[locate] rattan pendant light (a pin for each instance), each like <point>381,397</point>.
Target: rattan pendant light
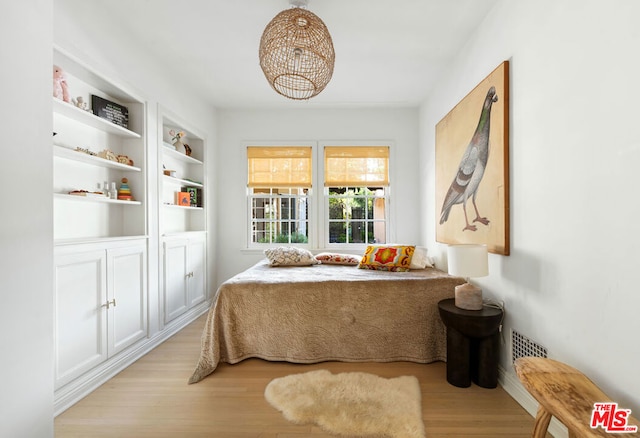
<point>296,53</point>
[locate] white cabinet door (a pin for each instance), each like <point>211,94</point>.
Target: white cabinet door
<point>176,276</point>
<point>80,322</point>
<point>127,296</point>
<point>196,263</point>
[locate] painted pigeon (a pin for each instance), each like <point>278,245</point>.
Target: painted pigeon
<point>471,169</point>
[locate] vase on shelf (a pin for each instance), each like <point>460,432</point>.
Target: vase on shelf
<point>179,146</point>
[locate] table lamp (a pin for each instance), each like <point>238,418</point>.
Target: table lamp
<point>468,261</point>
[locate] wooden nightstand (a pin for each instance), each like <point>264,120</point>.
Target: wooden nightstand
<point>473,342</point>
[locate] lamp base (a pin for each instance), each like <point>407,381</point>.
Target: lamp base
<point>468,297</point>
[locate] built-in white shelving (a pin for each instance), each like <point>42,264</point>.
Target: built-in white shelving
<point>101,311</point>
<point>79,138</point>
<point>182,228</point>
<point>187,173</point>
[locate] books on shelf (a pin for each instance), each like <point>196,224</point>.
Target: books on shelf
<point>195,196</point>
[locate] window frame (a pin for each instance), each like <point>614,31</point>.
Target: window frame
<point>318,198</point>
<point>311,242</point>
<point>250,208</point>
<point>323,208</point>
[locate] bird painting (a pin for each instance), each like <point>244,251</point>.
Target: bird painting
<point>471,169</point>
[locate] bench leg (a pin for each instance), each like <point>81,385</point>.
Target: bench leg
<point>543,418</point>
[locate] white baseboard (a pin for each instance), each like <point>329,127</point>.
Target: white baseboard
<point>84,385</point>
<point>514,388</point>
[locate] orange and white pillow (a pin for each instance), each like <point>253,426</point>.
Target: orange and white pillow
<point>396,258</point>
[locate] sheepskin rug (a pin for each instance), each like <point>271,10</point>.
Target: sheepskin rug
<point>354,404</point>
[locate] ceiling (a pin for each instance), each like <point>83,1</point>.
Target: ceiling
<point>388,53</point>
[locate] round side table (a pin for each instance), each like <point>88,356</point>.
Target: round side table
<point>473,342</point>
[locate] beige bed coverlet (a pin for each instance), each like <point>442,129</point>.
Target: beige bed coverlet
<point>319,313</point>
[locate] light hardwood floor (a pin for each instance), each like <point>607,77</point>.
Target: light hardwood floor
<point>151,398</point>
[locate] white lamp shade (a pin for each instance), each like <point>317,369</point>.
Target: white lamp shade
<point>468,260</point>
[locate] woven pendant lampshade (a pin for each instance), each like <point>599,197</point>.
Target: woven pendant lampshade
<point>296,54</point>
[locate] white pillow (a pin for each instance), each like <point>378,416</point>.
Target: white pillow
<point>420,259</point>
<point>290,256</point>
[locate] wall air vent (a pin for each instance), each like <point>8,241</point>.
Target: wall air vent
<point>521,346</point>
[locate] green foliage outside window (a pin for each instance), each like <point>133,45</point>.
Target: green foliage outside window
<point>351,212</point>
<point>284,238</point>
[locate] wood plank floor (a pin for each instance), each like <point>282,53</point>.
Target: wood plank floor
<point>151,398</point>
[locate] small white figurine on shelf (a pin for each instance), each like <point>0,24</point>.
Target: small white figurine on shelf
<point>60,88</point>
<point>80,103</point>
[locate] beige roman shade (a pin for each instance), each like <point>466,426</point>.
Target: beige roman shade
<point>279,166</point>
<point>356,166</point>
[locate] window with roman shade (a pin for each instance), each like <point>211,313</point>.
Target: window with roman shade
<point>279,179</point>
<point>356,180</point>
<point>356,166</point>
<point>279,166</point>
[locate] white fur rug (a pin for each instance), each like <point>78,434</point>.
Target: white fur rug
<point>355,404</point>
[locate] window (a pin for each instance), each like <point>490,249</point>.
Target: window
<point>279,179</point>
<point>353,211</point>
<point>356,180</point>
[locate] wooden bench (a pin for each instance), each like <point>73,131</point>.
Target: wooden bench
<point>567,394</point>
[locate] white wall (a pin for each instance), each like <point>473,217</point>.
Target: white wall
<point>237,126</point>
<point>570,282</point>
<point>26,227</point>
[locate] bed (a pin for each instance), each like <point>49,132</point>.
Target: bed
<point>310,314</point>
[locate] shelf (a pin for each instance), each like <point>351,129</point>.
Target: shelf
<point>71,154</point>
<point>68,110</point>
<point>170,151</point>
<point>81,135</point>
<point>175,234</point>
<point>188,172</point>
<point>101,199</point>
<point>180,207</point>
<point>86,240</point>
<point>181,182</point>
